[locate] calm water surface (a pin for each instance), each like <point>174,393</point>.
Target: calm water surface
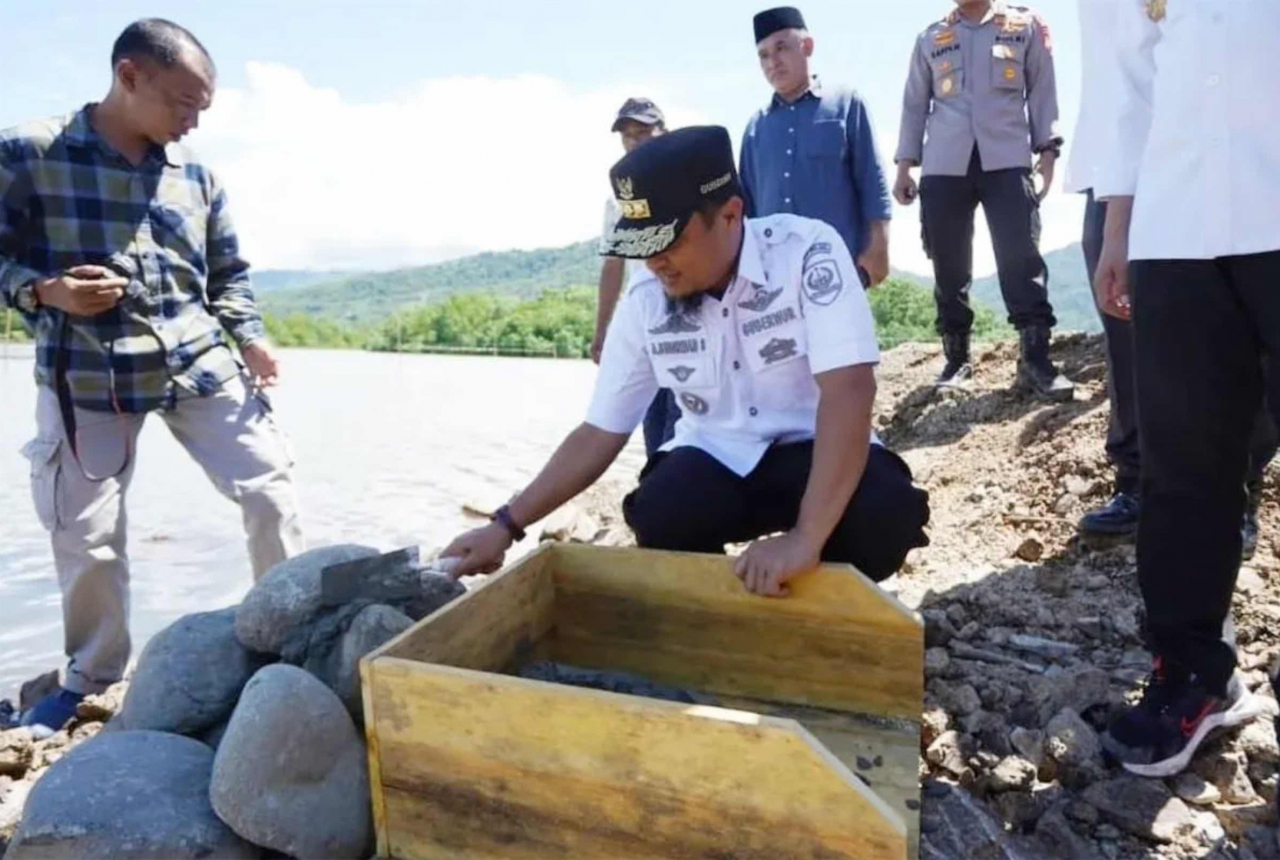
<point>389,447</point>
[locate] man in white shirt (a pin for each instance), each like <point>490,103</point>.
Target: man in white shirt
<point>762,328</point>
<point>1090,152</point>
<point>1192,256</point>
<point>638,120</point>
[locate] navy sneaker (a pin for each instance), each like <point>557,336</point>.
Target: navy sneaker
<point>52,712</point>
<point>1118,517</point>
<point>1159,736</point>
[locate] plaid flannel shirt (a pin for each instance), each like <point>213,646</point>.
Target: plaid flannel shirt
<point>66,199</point>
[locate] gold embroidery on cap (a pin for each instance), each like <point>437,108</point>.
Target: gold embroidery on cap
<point>634,209</point>
<point>625,187</point>
<point>1156,9</point>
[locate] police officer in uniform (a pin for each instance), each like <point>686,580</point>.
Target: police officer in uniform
<point>762,329</point>
<point>981,89</point>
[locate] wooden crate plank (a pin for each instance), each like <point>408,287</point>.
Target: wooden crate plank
<point>477,765</point>
<point>377,795</point>
<point>489,627</point>
<point>837,642</point>
<point>856,741</point>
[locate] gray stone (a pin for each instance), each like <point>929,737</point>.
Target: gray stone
<point>287,597</point>
<point>1207,830</point>
<point>1060,840</point>
<point>945,753</point>
<point>17,749</point>
<point>1194,789</point>
<point>212,738</point>
<point>370,629</point>
<point>1078,689</point>
<point>127,794</point>
<point>100,707</point>
<point>292,740</point>
<point>1141,807</point>
<point>936,661</point>
<point>1257,740</point>
<point>36,689</point>
<point>189,676</point>
<point>961,699</point>
<point>954,824</point>
<point>1029,743</point>
<point>1074,749</point>
<point>1013,773</point>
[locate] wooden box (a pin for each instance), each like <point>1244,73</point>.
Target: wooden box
<point>810,750</point>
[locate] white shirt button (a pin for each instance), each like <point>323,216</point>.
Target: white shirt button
<point>787,200</point>
<point>786,174</point>
<point>1214,80</point>
<point>791,130</point>
<point>754,411</point>
<point>788,152</point>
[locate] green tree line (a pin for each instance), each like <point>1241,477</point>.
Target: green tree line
<point>561,322</point>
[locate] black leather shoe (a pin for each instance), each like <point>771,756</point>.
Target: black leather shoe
<point>1117,517</point>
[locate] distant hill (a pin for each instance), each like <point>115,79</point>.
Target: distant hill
<point>368,296</point>
<point>274,280</point>
<point>1069,291</point>
<point>363,297</point>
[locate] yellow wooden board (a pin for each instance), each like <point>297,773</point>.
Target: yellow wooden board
<point>487,628</point>
<point>475,765</point>
<point>837,642</point>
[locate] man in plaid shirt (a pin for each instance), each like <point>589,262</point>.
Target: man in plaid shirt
<point>116,246</point>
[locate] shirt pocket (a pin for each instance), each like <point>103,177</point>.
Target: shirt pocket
<point>774,340</point>
<point>1008,67</point>
<point>825,140</point>
<point>948,74</point>
<point>46,480</point>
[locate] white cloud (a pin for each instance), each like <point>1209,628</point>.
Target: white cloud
<point>448,166</point>
<point>451,166</point>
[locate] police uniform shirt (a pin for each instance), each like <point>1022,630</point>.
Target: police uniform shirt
<point>742,366</point>
<point>1196,133</point>
<point>990,83</point>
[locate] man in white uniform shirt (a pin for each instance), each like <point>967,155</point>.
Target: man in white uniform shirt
<point>762,329</point>
<point>1192,256</point>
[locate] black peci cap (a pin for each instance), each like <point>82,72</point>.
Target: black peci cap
<point>638,110</point>
<point>771,21</point>
<point>661,184</point>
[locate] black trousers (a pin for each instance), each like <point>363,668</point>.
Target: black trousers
<point>1008,198</point>
<point>1122,430</point>
<point>1202,330</point>
<point>687,500</point>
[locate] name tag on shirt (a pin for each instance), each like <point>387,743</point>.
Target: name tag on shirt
<point>1004,52</point>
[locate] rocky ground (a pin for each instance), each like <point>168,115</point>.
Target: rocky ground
<point>1034,637</point>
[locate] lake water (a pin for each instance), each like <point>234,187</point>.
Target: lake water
<point>389,447</point>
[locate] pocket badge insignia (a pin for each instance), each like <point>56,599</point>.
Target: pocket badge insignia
<point>947,86</point>
<point>1156,9</point>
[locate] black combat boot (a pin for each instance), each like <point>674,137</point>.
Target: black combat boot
<point>1036,372</point>
<point>958,371</point>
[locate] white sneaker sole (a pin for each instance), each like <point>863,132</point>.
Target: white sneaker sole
<point>1245,709</point>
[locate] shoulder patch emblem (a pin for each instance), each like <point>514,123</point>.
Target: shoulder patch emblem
<point>761,301</point>
<point>694,403</point>
<point>820,276</point>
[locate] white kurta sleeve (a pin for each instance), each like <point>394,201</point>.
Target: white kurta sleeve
<point>1129,122</point>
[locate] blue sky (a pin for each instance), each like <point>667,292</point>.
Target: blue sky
<point>387,132</point>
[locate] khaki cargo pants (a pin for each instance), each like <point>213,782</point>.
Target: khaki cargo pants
<point>231,434</point>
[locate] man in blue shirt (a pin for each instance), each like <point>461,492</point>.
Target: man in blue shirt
<point>811,150</point>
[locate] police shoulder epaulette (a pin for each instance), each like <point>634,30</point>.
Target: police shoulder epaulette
<point>1018,18</point>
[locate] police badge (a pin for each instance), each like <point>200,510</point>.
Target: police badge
<point>1156,9</point>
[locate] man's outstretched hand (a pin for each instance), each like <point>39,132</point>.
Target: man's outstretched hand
<point>768,564</point>
<point>479,550</point>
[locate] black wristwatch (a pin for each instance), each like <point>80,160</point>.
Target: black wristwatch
<point>26,297</point>
<point>502,516</point>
